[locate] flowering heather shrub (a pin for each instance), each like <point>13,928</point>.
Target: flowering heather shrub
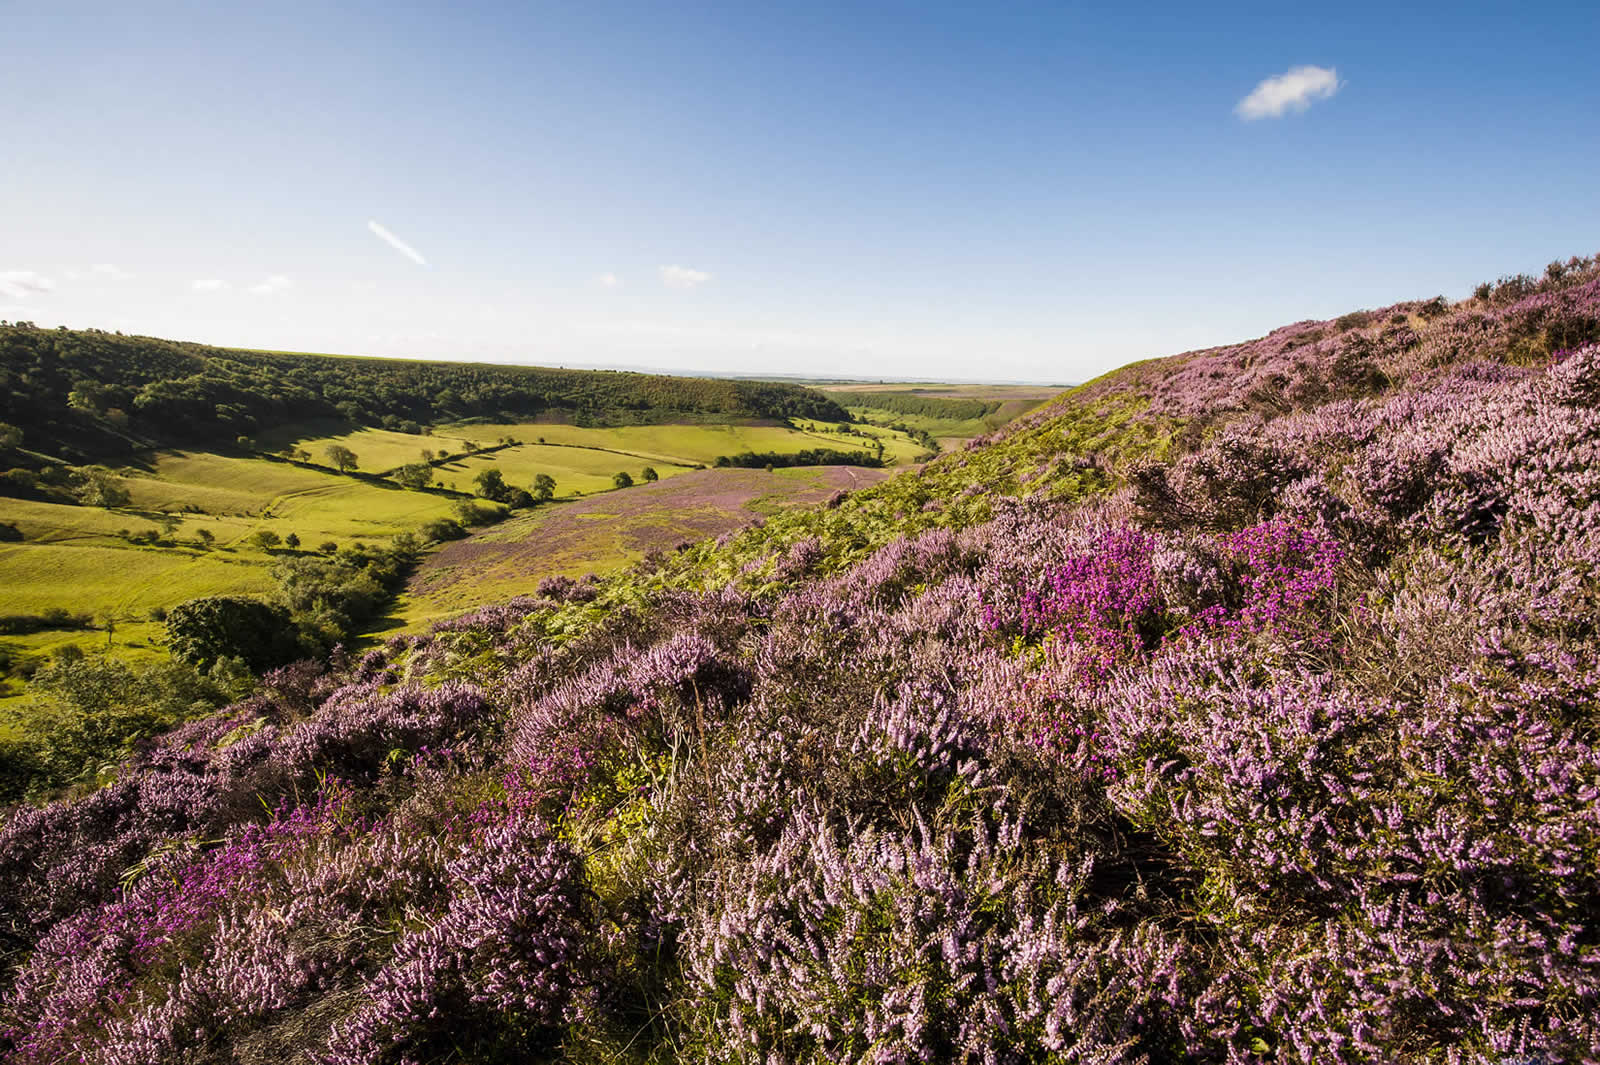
<point>931,944</point>
<point>508,952</point>
<point>1284,750</point>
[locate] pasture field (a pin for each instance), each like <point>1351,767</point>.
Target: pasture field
<point>898,448</point>
<point>352,510</point>
<point>123,582</point>
<point>381,450</point>
<point>608,532</point>
<point>686,445</point>
<point>583,459</point>
<point>577,470</point>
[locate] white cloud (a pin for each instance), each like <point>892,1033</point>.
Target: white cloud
<point>20,284</point>
<point>396,243</point>
<point>608,280</point>
<point>683,277</point>
<point>1293,90</point>
<point>275,283</point>
<point>212,285</point>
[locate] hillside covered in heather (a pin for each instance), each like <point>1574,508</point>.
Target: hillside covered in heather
<point>1236,707</point>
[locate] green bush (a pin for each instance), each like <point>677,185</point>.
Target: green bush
<point>202,631</point>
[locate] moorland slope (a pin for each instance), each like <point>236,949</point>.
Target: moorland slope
<point>1235,707</point>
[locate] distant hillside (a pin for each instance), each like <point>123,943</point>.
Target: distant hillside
<point>1236,707</point>
<point>911,402</point>
<point>91,394</point>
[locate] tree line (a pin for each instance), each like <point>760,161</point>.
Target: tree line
<point>83,394</point>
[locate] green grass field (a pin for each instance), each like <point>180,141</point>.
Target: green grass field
<point>124,582</point>
<point>689,445</point>
<point>379,450</point>
<point>577,470</point>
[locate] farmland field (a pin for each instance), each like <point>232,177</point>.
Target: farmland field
<point>577,471</point>
<point>951,428</point>
<point>690,444</point>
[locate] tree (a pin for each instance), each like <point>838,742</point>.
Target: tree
<point>204,536</point>
<point>292,542</point>
<point>98,488</point>
<point>265,539</point>
<point>544,488</point>
<point>416,476</point>
<point>10,437</point>
<point>491,484</point>
<point>202,631</point>
<point>340,456</point>
<point>650,474</point>
<point>622,480</point>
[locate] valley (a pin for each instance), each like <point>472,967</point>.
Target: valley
<point>214,520</point>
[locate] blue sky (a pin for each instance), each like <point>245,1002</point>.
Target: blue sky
<point>980,191</point>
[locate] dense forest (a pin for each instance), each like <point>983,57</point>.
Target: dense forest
<point>84,395</point>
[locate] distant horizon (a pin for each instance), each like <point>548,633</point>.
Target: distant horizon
<point>668,371</point>
<point>828,190</point>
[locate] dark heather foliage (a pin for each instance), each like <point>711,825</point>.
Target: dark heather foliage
<point>1234,708</point>
<point>90,393</point>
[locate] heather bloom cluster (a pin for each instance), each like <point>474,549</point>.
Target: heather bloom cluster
<point>1275,745</point>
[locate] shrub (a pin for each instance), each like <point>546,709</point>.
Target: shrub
<point>441,529</point>
<point>202,631</point>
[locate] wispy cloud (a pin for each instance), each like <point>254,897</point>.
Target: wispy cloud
<point>19,284</point>
<point>683,277</point>
<point>275,283</point>
<point>99,272</point>
<point>1293,90</point>
<point>396,243</point>
<point>608,280</point>
<point>212,285</point>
